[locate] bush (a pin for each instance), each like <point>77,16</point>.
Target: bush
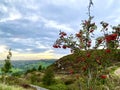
<point>40,68</point>
<point>69,81</point>
<point>48,78</point>
<point>33,78</point>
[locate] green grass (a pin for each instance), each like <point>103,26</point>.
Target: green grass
<point>8,87</point>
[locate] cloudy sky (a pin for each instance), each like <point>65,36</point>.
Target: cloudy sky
<point>30,27</point>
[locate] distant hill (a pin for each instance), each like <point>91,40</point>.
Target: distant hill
<point>28,64</point>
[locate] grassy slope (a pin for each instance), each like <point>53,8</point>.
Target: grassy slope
<point>70,61</point>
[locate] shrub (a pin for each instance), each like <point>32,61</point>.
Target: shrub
<point>7,66</point>
<point>69,81</point>
<point>48,77</point>
<point>33,78</point>
<point>40,68</point>
<point>6,69</point>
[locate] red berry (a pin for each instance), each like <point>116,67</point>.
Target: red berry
<point>91,30</point>
<point>89,41</point>
<point>55,46</point>
<point>88,55</point>
<point>64,46</point>
<point>78,35</point>
<point>107,50</point>
<point>103,76</point>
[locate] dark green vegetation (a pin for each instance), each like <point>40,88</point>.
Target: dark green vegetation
<point>48,78</point>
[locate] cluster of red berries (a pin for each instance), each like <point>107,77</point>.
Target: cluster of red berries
<point>58,46</point>
<point>111,37</point>
<point>107,50</point>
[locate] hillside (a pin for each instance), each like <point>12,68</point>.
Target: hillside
<point>73,61</point>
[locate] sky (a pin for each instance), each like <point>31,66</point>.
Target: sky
<point>30,27</point>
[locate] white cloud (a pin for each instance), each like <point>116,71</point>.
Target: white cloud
<point>71,3</point>
<point>3,48</point>
<point>19,50</point>
<point>12,15</point>
<point>3,8</point>
<point>3,52</point>
<point>55,25</point>
<point>33,18</point>
<point>28,49</point>
<point>30,42</point>
<point>24,41</point>
<point>39,45</point>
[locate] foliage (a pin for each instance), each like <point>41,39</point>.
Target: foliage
<point>48,78</point>
<point>35,78</point>
<point>40,68</point>
<point>7,66</point>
